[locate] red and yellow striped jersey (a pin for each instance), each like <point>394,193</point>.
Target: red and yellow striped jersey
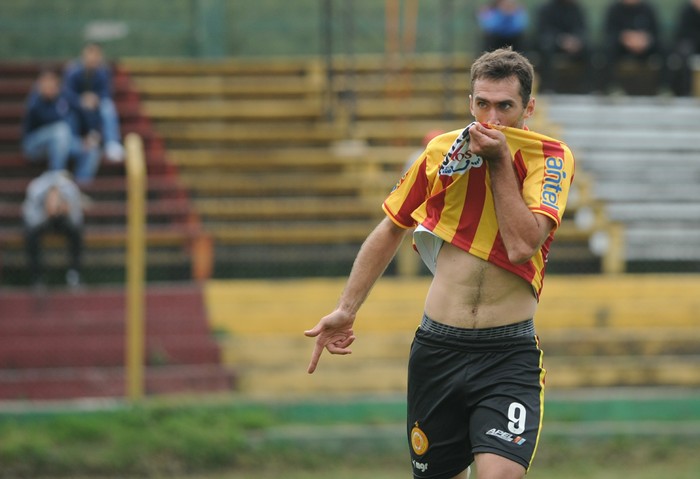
<point>449,194</point>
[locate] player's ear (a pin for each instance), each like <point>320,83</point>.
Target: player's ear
<point>529,108</point>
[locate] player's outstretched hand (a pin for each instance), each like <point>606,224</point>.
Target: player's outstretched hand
<point>334,333</point>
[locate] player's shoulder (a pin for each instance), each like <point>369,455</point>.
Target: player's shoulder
<point>444,140</point>
<point>526,135</point>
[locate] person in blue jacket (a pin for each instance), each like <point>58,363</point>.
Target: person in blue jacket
<point>55,129</point>
<point>90,79</point>
<point>503,23</point>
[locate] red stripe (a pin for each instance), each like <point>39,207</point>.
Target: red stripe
<point>415,196</point>
<point>473,209</point>
<point>556,149</point>
<point>520,167</point>
<point>552,148</point>
<point>436,204</point>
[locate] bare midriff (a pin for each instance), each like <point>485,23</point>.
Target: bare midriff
<point>468,292</point>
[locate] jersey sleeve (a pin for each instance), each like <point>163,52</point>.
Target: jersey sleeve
<point>412,189</point>
<point>549,172</point>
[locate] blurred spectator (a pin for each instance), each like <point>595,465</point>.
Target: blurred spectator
<point>631,32</point>
<point>55,128</point>
<point>686,44</point>
<point>503,23</point>
<point>90,79</point>
<point>53,203</point>
<point>562,34</point>
<point>417,153</point>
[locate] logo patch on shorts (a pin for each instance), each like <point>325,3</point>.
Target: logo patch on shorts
<point>506,436</point>
<point>419,441</point>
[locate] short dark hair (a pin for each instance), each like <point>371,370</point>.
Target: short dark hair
<point>49,70</point>
<point>505,63</point>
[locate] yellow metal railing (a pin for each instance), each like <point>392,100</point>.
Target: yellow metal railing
<point>135,266</point>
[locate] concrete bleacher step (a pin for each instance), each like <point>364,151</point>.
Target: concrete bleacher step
<point>90,382</point>
<point>163,86</point>
<point>285,185</point>
<point>58,350</point>
<point>586,371</point>
<point>62,344</point>
<point>611,139</point>
<point>286,208</point>
<point>210,132</point>
<point>624,111</point>
<point>319,233</point>
<point>595,331</point>
<point>275,365</point>
<point>239,110</point>
<point>338,157</point>
<point>111,211</point>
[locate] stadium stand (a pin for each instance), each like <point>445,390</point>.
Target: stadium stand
<point>284,153</point>
<point>174,227</point>
<point>596,331</point>
<point>642,154</point>
<point>297,183</point>
<point>60,343</point>
<point>64,346</point>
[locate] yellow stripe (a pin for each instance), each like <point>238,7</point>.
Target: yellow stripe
<point>543,373</point>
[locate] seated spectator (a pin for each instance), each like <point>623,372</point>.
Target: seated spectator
<point>415,154</point>
<point>503,23</point>
<point>631,32</point>
<point>53,203</point>
<point>55,128</point>
<point>686,44</point>
<point>561,34</point>
<point>90,79</point>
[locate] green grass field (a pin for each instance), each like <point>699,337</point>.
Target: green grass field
<point>684,470</point>
<point>604,436</point>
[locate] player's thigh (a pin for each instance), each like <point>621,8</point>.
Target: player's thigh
<point>465,474</point>
<point>493,466</point>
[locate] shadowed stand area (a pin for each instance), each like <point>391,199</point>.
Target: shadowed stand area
<point>65,345</point>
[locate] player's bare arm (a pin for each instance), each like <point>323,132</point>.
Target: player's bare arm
<point>334,331</point>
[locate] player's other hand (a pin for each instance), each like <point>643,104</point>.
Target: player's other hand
<point>334,333</point>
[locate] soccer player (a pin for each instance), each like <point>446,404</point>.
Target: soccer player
<point>484,204</point>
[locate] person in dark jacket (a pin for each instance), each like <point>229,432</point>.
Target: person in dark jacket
<point>686,45</point>
<point>562,34</point>
<point>631,33</point>
<point>55,128</point>
<point>90,79</point>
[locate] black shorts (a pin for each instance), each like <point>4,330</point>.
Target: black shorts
<point>473,391</point>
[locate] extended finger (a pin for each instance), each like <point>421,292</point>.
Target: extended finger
<point>315,356</point>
